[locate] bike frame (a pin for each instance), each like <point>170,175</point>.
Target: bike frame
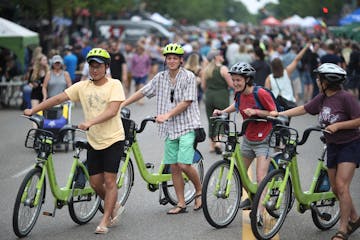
<point>305,198</point>
<point>59,193</point>
<point>236,158</point>
<point>150,178</point>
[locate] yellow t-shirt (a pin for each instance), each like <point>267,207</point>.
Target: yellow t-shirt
<point>94,100</point>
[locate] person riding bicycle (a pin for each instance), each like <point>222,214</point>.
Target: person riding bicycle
<point>100,98</point>
<point>178,115</point>
<point>339,113</point>
<point>255,142</point>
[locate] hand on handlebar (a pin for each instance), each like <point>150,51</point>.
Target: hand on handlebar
<point>250,112</point>
<point>161,118</point>
<point>84,126</point>
<point>217,112</point>
<point>274,113</point>
<point>331,128</point>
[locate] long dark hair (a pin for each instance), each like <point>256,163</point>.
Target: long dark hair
<point>277,68</point>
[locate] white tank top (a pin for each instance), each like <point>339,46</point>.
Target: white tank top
<point>284,83</point>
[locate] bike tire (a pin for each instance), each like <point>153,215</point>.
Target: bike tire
<point>263,230</point>
<point>25,214</point>
<point>124,191</point>
<point>326,206</point>
<point>83,208</point>
<point>189,189</point>
<point>218,209</point>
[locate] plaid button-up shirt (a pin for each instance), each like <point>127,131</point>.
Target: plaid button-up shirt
<point>185,89</point>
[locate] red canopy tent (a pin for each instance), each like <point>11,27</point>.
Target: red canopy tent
<point>270,21</point>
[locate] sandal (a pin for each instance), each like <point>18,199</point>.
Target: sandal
<point>118,210</point>
<point>352,226</point>
<point>341,235</point>
<point>101,230</point>
<point>177,210</point>
<point>199,207</point>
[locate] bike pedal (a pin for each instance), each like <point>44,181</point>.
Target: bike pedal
<point>164,201</point>
<point>49,214</point>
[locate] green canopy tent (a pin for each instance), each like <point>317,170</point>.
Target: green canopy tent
<point>16,38</point>
<point>351,31</point>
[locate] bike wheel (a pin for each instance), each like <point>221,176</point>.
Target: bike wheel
<point>189,189</point>
<point>124,191</point>
<point>263,224</point>
<point>328,207</point>
<point>219,209</point>
<point>25,212</point>
<point>83,208</point>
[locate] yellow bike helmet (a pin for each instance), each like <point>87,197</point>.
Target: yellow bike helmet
<point>99,55</point>
<point>173,48</point>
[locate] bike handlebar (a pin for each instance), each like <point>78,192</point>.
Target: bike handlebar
<point>37,119</point>
<point>308,131</point>
<point>144,122</point>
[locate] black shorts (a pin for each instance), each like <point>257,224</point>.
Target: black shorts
<point>346,152</point>
<point>105,160</point>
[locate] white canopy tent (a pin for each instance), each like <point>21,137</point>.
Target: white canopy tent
<point>294,20</point>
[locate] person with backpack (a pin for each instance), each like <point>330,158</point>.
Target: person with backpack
<point>279,80</point>
<point>250,101</point>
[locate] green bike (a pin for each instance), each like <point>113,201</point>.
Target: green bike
<point>82,201</point>
<point>161,179</point>
<point>223,183</point>
<point>274,192</point>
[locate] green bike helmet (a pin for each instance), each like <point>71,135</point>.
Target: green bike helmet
<point>173,48</point>
<point>98,55</point>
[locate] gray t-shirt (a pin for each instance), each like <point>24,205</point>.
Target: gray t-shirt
<point>57,84</point>
<point>342,106</point>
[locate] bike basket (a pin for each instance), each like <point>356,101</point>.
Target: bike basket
<point>283,136</point>
<point>129,129</point>
<point>35,137</point>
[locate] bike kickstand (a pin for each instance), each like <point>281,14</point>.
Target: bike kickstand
<point>162,200</point>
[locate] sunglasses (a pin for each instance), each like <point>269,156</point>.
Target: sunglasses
<point>172,95</point>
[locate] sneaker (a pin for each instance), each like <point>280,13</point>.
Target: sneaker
<point>245,205</point>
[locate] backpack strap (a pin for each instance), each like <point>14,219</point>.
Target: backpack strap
<point>257,99</point>
<point>237,101</point>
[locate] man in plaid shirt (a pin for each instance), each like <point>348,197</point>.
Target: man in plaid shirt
<point>178,115</point>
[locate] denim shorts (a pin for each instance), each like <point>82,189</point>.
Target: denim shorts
<point>140,80</point>
<point>104,160</point>
<point>252,149</point>
<point>180,150</point>
<point>306,78</point>
<point>346,152</point>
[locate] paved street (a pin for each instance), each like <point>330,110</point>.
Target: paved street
<point>144,217</point>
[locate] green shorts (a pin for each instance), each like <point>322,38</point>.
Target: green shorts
<point>180,150</point>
